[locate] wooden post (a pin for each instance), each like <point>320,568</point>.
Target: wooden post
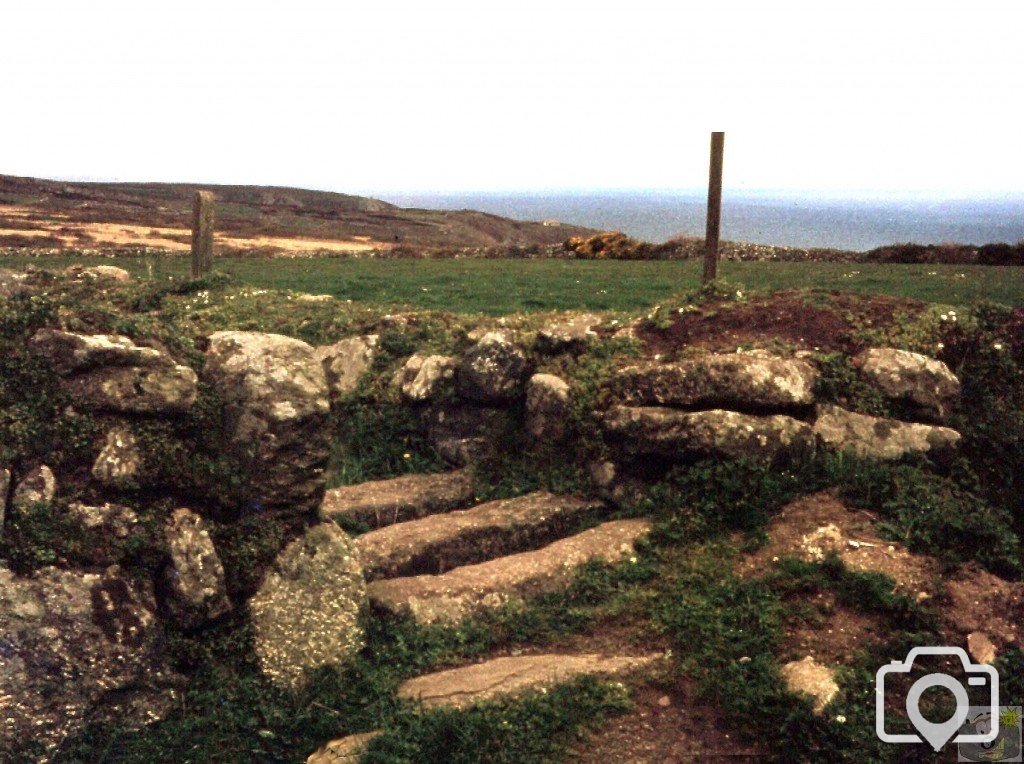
<point>202,234</point>
<point>714,208</point>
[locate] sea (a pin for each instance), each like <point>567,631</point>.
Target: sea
<point>794,219</point>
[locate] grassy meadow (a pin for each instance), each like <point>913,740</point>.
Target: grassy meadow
<point>498,287</point>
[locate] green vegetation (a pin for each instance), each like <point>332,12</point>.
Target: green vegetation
<point>497,287</point>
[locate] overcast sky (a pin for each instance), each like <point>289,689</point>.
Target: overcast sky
<point>420,96</point>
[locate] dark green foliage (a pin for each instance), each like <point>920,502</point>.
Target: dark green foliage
<point>840,383</point>
<point>534,728</point>
<point>934,515</point>
<point>246,547</point>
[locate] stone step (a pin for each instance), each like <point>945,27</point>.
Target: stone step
<point>452,596</point>
<point>439,543</point>
<point>346,750</point>
<point>462,687</point>
<point>385,502</point>
<point>497,678</point>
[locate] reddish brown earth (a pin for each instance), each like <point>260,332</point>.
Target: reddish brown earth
<point>827,323</point>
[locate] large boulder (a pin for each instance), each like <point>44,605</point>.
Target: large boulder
<point>742,381</point>
<point>681,435</point>
<point>547,407</point>
<point>108,372</point>
<point>493,370</point>
<point>305,614</point>
<point>346,362</point>
<point>195,577</point>
<point>878,438</point>
<point>70,642</point>
<point>423,377</point>
<point>925,384</point>
<point>277,406</point>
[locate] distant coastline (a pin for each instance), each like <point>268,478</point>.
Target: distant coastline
<point>782,219</point>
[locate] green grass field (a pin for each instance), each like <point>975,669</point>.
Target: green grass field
<point>506,286</point>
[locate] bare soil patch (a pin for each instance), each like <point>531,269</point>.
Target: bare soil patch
<point>826,324</point>
<point>814,526</point>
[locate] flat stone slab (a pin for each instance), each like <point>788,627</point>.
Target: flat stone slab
<point>453,596</point>
<point>345,750</point>
<point>438,543</point>
<point>723,380</point>
<point>879,438</point>
<point>679,435</point>
<point>385,502</point>
<point>462,687</point>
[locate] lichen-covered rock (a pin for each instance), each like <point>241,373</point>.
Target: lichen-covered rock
<point>98,273</point>
<point>547,407</point>
<point>120,458</point>
<point>879,438</point>
<point>108,372</point>
<point>741,381</point>
<point>346,362</point>
<point>104,530</point>
<point>493,370</point>
<point>151,390</point>
<point>305,614</point>
<point>926,384</point>
<point>195,577</point>
<point>809,677</point>
<point>72,353</point>
<point>277,406</point>
<point>572,334</point>
<point>423,377</point>
<point>462,434</point>
<point>680,435</point>
<point>39,486</point>
<point>70,642</point>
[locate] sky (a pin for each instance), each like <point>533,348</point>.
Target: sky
<point>844,98</point>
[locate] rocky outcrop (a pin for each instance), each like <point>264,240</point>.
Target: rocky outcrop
<point>547,407</point>
<point>195,576</point>
<point>70,642</point>
<point>111,373</point>
<point>305,614</point>
<point>277,407</point>
<point>924,384</point>
<point>98,273</point>
<point>876,438</point>
<point>681,435</point>
<point>119,460</point>
<point>493,370</point>
<point>738,381</point>
<point>346,362</point>
<point>423,377</point>
<point>345,750</point>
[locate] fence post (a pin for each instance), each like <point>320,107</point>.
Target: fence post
<point>714,208</point>
<point>202,234</point>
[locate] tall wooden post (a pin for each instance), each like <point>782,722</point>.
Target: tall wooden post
<point>202,234</point>
<point>714,208</point>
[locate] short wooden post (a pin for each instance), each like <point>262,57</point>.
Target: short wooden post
<point>202,234</point>
<point>714,208</point>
